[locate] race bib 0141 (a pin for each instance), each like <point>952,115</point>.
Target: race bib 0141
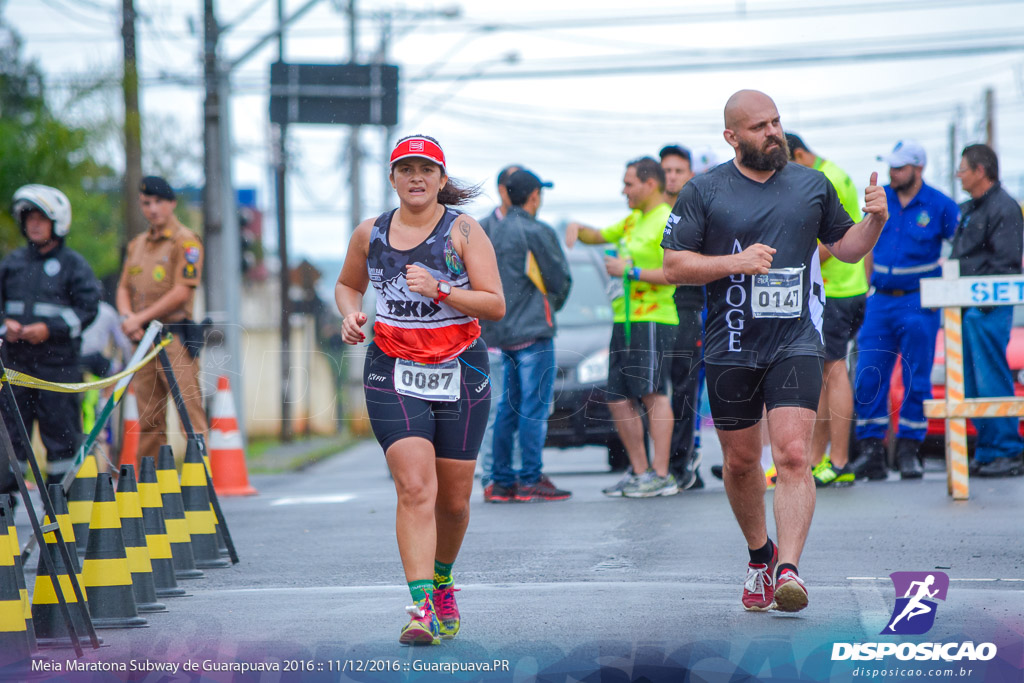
<point>778,293</point>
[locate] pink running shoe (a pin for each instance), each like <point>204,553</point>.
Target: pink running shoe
<point>447,611</point>
<point>790,592</point>
<point>423,628</point>
<point>759,587</point>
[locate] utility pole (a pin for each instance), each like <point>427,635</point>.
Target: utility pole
<point>221,238</point>
<point>134,224</point>
<point>389,131</point>
<point>354,153</point>
<point>284,281</point>
<point>952,159</point>
<point>990,117</point>
<point>212,187</point>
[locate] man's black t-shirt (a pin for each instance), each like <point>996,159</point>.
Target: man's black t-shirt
<point>762,319</point>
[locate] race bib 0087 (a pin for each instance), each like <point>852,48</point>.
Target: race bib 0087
<point>430,382</point>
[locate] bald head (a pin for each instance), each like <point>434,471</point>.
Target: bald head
<point>744,104</point>
<point>753,129</point>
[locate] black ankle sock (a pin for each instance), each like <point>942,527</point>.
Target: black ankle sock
<point>762,555</point>
<point>788,566</point>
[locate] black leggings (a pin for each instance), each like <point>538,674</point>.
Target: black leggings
<point>456,428</point>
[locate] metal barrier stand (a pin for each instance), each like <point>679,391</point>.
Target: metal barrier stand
<point>186,423</point>
<point>952,292</point>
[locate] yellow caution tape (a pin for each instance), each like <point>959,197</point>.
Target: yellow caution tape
<point>22,380</point>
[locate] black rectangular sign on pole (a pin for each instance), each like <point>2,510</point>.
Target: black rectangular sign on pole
<point>344,94</point>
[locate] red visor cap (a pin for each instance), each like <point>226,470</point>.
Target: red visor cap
<point>419,147</point>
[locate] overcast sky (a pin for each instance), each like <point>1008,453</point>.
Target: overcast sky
<point>571,89</point>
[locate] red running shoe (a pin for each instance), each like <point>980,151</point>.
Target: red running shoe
<point>790,592</point>
<point>759,587</point>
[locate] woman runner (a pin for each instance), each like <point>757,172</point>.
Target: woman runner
<point>426,372</point>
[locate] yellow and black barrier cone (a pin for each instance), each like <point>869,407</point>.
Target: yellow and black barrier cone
<point>174,516</point>
<point>202,522</point>
<point>15,651</point>
<point>19,571</point>
<point>222,547</point>
<point>105,573</point>
<point>134,533</point>
<point>80,497</point>
<point>50,628</point>
<point>159,544</point>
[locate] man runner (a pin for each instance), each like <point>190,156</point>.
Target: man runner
<point>748,230</point>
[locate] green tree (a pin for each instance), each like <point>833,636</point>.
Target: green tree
<point>37,147</point>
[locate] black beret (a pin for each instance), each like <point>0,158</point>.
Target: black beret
<point>155,186</point>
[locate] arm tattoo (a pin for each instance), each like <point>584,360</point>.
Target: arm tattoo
<point>464,229</point>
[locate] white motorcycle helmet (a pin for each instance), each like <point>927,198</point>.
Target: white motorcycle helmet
<point>52,202</point>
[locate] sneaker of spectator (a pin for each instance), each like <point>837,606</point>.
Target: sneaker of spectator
<point>542,490</point>
<point>651,484</point>
<point>615,490</point>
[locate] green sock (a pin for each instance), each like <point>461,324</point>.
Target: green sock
<point>421,590</point>
<point>442,574</point>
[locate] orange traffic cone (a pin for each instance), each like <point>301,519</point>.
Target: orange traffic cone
<point>227,458</point>
<point>130,438</point>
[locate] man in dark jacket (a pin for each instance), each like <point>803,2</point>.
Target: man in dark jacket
<point>535,277</point>
<point>989,241</point>
<point>485,458</point>
<point>49,294</point>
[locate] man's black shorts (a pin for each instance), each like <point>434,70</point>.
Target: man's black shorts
<point>840,323</point>
<point>738,394</point>
<point>643,368</point>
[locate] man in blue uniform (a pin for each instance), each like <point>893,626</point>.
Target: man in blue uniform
<point>895,324</point>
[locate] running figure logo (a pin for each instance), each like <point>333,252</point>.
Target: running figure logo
<point>914,613</point>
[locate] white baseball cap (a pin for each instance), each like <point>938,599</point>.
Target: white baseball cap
<point>905,153</point>
<point>703,160</point>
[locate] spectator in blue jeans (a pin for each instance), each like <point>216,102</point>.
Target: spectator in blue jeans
<point>486,455</point>
<point>989,241</point>
<point>535,276</point>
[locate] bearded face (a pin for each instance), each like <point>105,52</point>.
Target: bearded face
<point>772,155</point>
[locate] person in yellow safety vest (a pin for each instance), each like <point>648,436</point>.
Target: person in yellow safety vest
<point>846,296</point>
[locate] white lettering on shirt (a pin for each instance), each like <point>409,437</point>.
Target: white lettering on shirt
<point>736,296</point>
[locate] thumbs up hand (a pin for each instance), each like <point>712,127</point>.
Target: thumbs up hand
<point>875,203</point>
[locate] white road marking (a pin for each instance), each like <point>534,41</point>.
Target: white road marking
<point>886,578</point>
<point>315,500</point>
<point>534,586</point>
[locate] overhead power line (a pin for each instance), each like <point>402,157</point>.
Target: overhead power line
<point>755,58</point>
<point>780,12</point>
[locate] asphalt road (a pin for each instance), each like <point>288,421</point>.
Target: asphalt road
<point>559,591</point>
